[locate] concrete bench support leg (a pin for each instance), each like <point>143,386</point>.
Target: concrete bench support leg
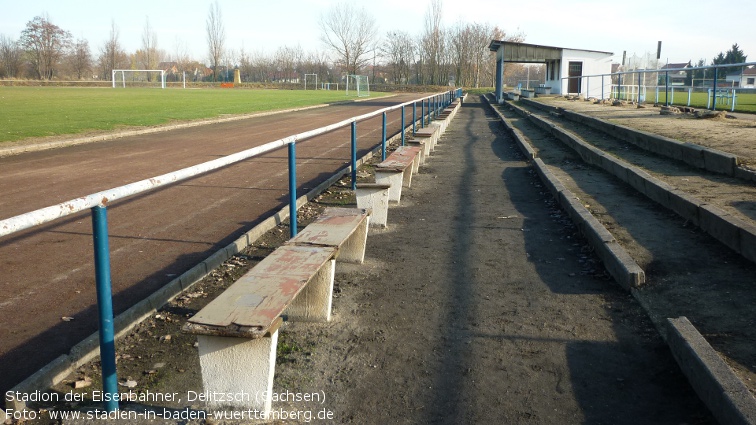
<point>313,304</point>
<point>353,249</point>
<point>427,142</point>
<point>241,367</point>
<point>393,179</point>
<point>421,145</point>
<point>416,163</point>
<point>374,198</point>
<point>407,175</point>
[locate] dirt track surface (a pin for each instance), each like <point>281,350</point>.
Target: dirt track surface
<point>47,272</point>
<point>479,303</point>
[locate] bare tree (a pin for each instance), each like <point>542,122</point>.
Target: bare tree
<point>148,57</point>
<point>112,56</point>
<point>350,33</point>
<point>433,42</point>
<point>399,51</point>
<point>45,44</point>
<point>286,61</point>
<point>80,59</point>
<point>216,37</point>
<point>461,51</point>
<point>11,57</point>
<point>180,55</point>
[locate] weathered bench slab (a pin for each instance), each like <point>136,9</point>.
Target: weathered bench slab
<point>250,306</point>
<point>429,133</point>
<point>397,169</point>
<point>237,332</point>
<point>343,228</point>
<point>374,197</point>
<point>423,145</point>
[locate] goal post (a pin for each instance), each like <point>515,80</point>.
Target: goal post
<point>315,86</point>
<point>359,85</point>
<point>137,77</point>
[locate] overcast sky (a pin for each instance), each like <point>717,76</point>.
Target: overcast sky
<point>689,30</point>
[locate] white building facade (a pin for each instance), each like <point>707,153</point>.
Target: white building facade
<point>567,70</point>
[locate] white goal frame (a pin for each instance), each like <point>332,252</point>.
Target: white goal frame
<point>124,71</point>
<point>316,81</point>
<point>361,92</point>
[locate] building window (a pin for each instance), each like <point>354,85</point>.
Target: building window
<point>750,81</point>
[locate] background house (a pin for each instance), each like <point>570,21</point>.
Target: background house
<point>676,78</point>
<point>744,78</point>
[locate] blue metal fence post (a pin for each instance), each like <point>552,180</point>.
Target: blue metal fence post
<point>714,90</point>
<point>403,125</point>
<point>292,189</point>
<point>354,155</point>
<point>383,139</point>
<point>619,86</point>
<point>105,306</point>
<point>414,117</point>
<point>422,113</point>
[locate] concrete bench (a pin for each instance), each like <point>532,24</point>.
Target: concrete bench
<point>430,134</point>
<point>423,145</point>
<point>238,331</point>
<point>345,229</point>
<point>443,121</point>
<point>397,170</point>
<point>374,197</point>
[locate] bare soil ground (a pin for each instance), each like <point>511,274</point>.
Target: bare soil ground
<point>480,303</point>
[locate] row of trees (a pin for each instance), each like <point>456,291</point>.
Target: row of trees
<point>734,55</point>
<point>46,51</point>
<point>438,56</point>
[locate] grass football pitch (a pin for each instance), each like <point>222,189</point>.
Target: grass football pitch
<point>27,112</point>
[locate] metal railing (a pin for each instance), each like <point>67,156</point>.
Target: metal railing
<point>97,204</point>
<point>633,78</point>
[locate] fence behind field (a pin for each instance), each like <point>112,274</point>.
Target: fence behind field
<point>730,86</point>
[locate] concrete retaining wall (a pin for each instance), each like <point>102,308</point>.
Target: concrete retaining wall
<point>715,383</point>
<point>617,261</point>
<point>731,231</point>
<point>690,153</point>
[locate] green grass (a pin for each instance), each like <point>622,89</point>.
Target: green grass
<point>479,91</point>
<point>50,111</point>
<point>745,102</point>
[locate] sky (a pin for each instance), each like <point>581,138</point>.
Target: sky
<point>688,30</point>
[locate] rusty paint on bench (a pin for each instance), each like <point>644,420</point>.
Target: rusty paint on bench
<point>251,306</point>
<point>400,159</point>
